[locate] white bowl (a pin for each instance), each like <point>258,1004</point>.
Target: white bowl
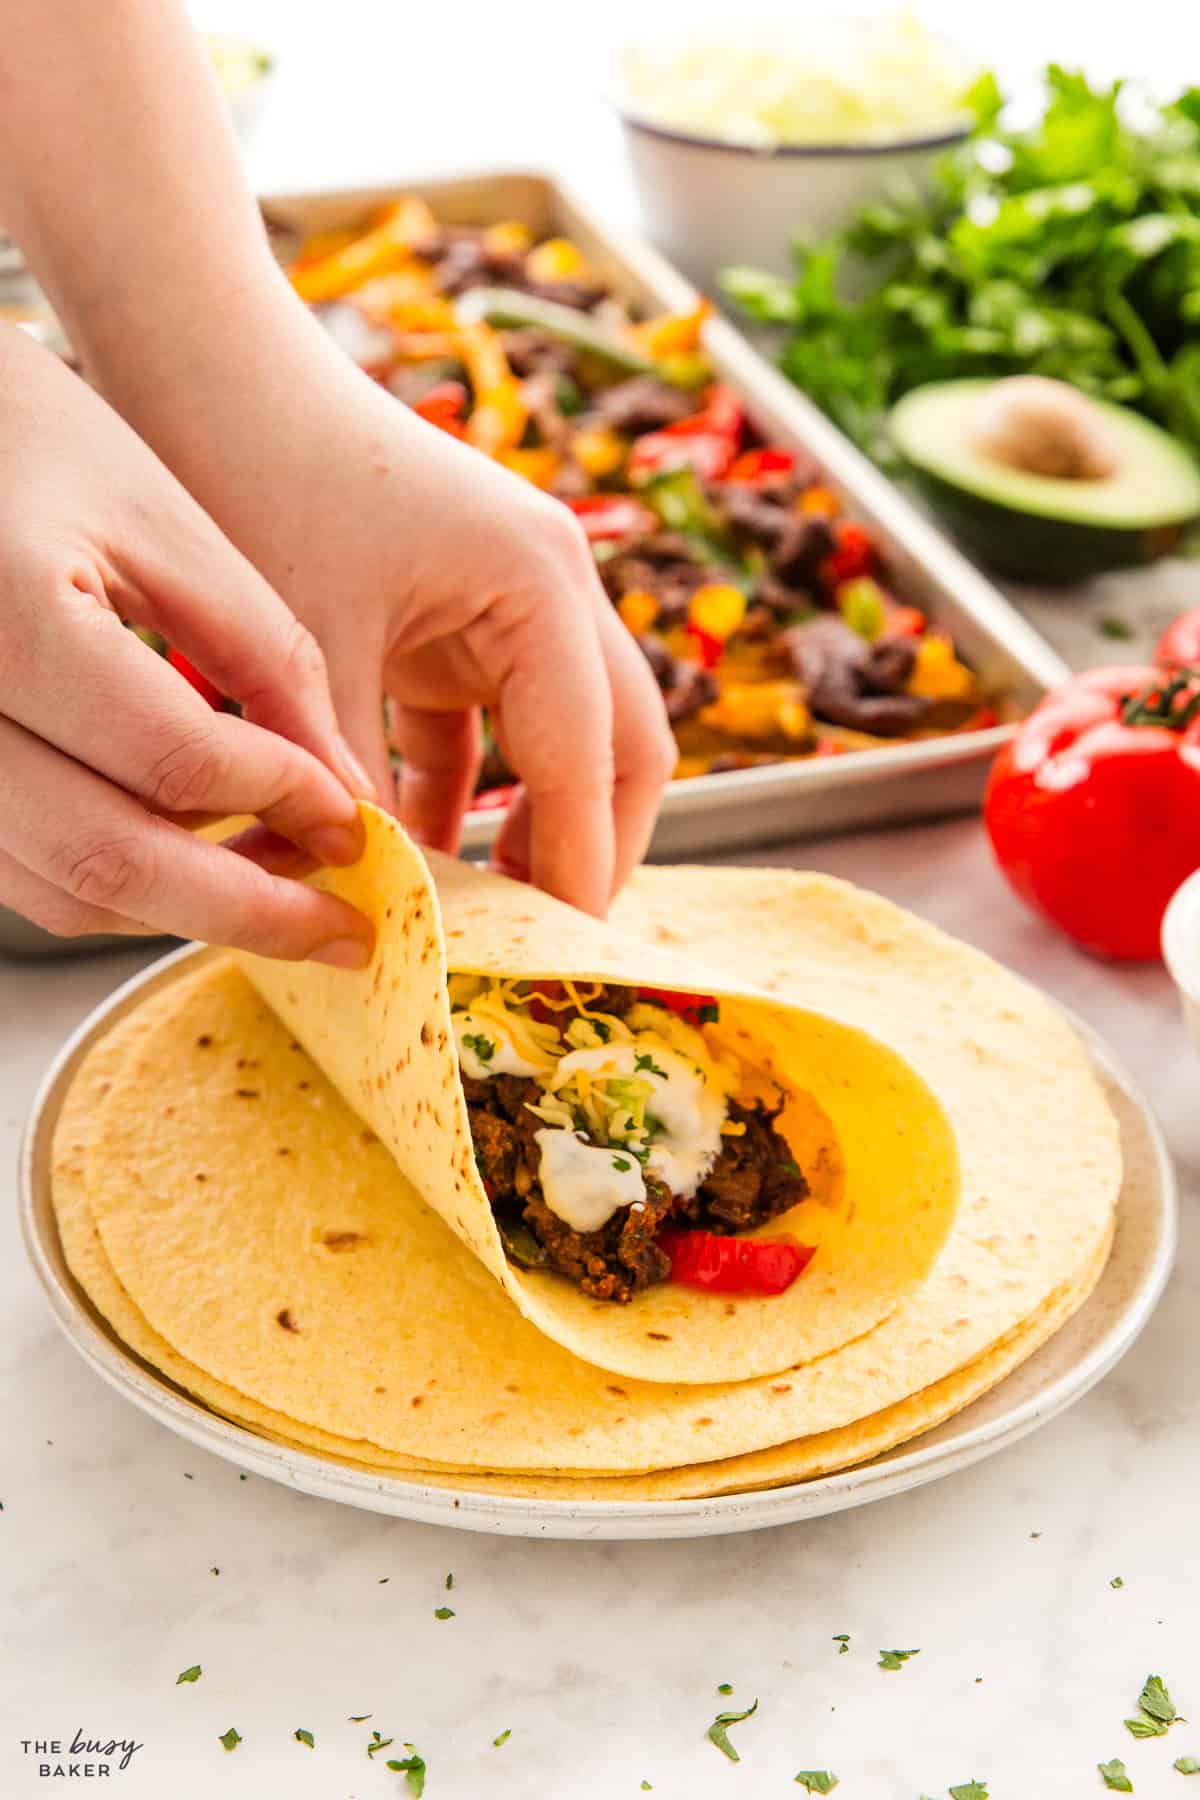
<point>1181,949</point>
<point>709,204</point>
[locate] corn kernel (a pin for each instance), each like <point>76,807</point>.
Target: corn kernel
<point>558,259</point>
<point>717,609</point>
<point>637,610</point>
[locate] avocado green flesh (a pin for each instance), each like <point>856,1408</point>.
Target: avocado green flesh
<point>1039,526</point>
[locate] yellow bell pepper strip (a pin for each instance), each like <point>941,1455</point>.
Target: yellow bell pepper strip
<point>637,610</point>
<point>598,452</point>
<point>387,244</point>
<point>405,299</point>
<point>500,416</point>
<point>508,236</point>
<point>538,465</point>
<point>818,503</point>
<point>760,711</point>
<point>937,673</point>
<point>557,259</point>
<point>717,609</point>
<point>670,334</point>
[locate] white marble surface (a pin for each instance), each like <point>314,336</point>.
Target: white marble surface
<point>602,1660</point>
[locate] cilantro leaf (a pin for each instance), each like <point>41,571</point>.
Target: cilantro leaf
<point>842,1640</point>
<point>1116,1582</point>
<point>482,1046</point>
<point>304,1737</point>
<point>1113,1776</point>
<point>230,1739</point>
<point>970,1790</point>
<point>502,1739</point>
<point>359,1718</point>
<point>449,1582</point>
<point>412,1767</point>
<point>622,1164</point>
<point>1187,1765</point>
<point>646,1063</point>
<point>708,1014</point>
<point>192,1674</point>
<point>1142,1727</point>
<point>817,1781</point>
<point>724,1687</point>
<point>444,1612</point>
<point>646,1788</point>
<point>895,1659</point>
<point>718,1731</point>
<point>1155,1700</point>
<point>377,1743</point>
<point>1111,625</point>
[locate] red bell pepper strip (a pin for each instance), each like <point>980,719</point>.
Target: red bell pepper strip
<point>606,516</point>
<point>707,441</point>
<point>904,621</point>
<point>693,1009</point>
<point>853,555</point>
<point>757,466</point>
<point>1094,807</point>
<point>711,648</point>
<point>730,1265</point>
<point>206,689</point>
<point>444,406</point>
<point>1179,645</point>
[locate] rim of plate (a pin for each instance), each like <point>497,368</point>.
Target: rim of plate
<point>154,1393</point>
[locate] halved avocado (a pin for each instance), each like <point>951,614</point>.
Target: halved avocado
<point>1047,527</point>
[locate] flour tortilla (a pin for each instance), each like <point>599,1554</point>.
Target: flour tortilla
<point>413,1316</point>
<point>800,1459</point>
<point>871,1137</point>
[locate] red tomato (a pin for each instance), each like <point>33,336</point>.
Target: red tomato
<point>1094,807</point>
<point>854,554</point>
<point>755,466</point>
<point>730,1265</point>
<point>696,1009</point>
<point>206,689</point>
<point>1179,645</point>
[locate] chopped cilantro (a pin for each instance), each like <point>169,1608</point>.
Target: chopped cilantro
<point>502,1739</point>
<point>817,1781</point>
<point>895,1659</point>
<point>1110,625</point>
<point>724,1687</point>
<point>622,1164</point>
<point>231,1738</point>
<point>214,1570</point>
<point>970,1790</point>
<point>377,1742</point>
<point>708,1014</point>
<point>444,1612</point>
<point>1142,1727</point>
<point>646,1064</point>
<point>842,1640</point>
<point>718,1731</point>
<point>192,1674</point>
<point>1116,1582</point>
<point>646,1788</point>
<point>359,1718</point>
<point>449,1582</point>
<point>1156,1710</point>
<point>304,1737</point>
<point>1187,1765</point>
<point>412,1767</point>
<point>601,1030</point>
<point>482,1046</point>
<point>1113,1776</point>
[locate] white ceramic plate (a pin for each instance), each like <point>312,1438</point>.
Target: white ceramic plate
<point>1061,1372</point>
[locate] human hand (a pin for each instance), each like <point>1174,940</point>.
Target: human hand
<point>104,748</point>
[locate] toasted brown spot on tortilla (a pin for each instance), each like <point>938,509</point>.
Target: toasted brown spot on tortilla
<point>381,1390</point>
<point>781,1387</point>
<point>367,1137</point>
<point>510,1387</point>
<point>246,1093</point>
<point>342,1240</point>
<point>617,1390</point>
<point>427,1034</point>
<point>704,1421</point>
<point>199,1175</point>
<point>283,1150</point>
<point>292,1001</point>
<point>285,1319</point>
<point>304,1084</point>
<point>417,1400</point>
<point>730,1310</point>
<point>247,1062</point>
<point>204,1042</point>
<point>660,1337</point>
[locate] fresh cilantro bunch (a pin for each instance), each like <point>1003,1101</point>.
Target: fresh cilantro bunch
<point>1068,247</point>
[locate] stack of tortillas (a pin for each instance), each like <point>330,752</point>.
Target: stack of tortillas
<point>263,1181</point>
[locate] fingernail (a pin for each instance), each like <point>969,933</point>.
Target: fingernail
<point>360,781</point>
<point>343,953</point>
<point>336,844</point>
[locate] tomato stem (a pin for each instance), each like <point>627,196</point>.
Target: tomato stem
<point>1172,703</point>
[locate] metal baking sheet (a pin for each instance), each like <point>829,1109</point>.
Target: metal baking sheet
<point>711,813</point>
<point>784,801</point>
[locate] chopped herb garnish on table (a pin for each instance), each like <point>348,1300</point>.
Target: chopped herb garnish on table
<point>214,1570</point>
<point>646,1788</point>
<point>1116,1582</point>
<point>1156,1710</point>
<point>1109,625</point>
<point>724,1687</point>
<point>718,1731</point>
<point>359,1718</point>
<point>304,1737</point>
<point>895,1659</point>
<point>1187,1765</point>
<point>230,1739</point>
<point>817,1781</point>
<point>192,1674</point>
<point>444,1612</point>
<point>449,1582</point>
<point>970,1790</point>
<point>377,1742</point>
<point>842,1640</point>
<point>1114,1776</point>
<point>412,1767</point>
<point>502,1739</point>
